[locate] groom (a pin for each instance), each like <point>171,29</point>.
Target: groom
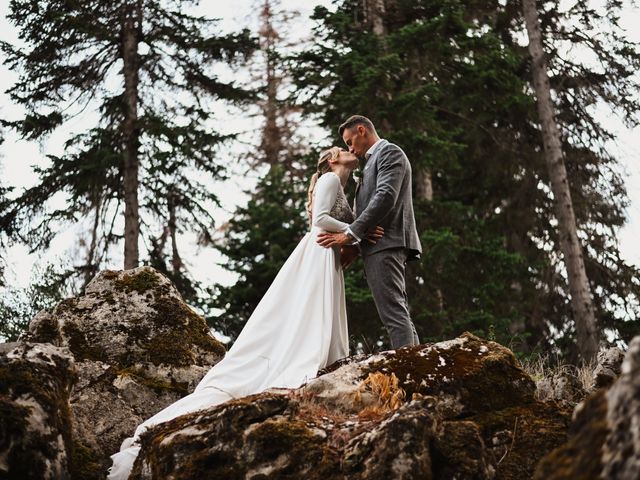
<point>383,197</point>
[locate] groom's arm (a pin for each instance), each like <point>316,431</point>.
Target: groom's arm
<point>391,170</point>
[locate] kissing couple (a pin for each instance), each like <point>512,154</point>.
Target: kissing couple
<point>300,325</point>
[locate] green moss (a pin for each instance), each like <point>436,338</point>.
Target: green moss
<point>13,418</point>
<point>65,306</point>
<point>110,274</point>
<point>277,436</point>
<point>459,451</point>
<point>47,331</point>
<point>108,297</point>
<point>180,329</point>
<point>486,378</point>
<point>81,346</point>
<point>538,428</point>
<point>84,464</point>
<point>140,282</point>
<point>48,384</point>
<point>580,458</point>
<point>154,383</point>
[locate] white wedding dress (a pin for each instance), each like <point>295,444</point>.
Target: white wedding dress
<point>299,326</point>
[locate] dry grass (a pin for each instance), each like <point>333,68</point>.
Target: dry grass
<point>547,366</point>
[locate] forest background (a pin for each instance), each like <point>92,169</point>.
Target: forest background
<point>225,156</point>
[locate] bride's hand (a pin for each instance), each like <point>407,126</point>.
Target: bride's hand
<point>348,254</point>
<point>375,235</point>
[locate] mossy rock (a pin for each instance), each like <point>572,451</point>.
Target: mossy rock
<point>482,375</point>
<point>520,436</point>
<point>227,441</point>
<point>129,318</point>
<point>138,347</point>
<point>35,438</point>
<point>84,465</point>
<point>459,451</point>
<point>580,458</point>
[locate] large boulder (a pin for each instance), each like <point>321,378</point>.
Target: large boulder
<point>35,424</point>
<point>138,347</point>
<point>467,374</point>
<point>460,409</point>
<point>603,439</point>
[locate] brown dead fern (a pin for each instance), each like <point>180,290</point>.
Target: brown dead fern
<point>386,391</point>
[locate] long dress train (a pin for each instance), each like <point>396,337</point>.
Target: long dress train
<point>299,326</point>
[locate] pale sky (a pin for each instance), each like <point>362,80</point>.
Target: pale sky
<point>17,157</point>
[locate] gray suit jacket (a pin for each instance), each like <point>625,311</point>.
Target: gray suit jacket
<point>383,197</point>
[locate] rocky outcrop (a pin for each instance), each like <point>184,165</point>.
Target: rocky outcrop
<point>35,424</point>
<point>562,386</point>
<point>457,409</point>
<point>608,367</point>
<point>603,438</point>
<point>137,348</point>
<point>95,366</point>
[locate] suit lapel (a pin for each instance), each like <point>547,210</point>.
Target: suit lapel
<point>367,177</point>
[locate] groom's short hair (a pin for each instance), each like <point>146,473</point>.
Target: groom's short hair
<point>354,121</point>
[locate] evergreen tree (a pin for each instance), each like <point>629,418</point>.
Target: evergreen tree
<point>152,72</point>
<point>261,235</point>
<point>449,83</point>
<point>581,302</point>
<point>48,286</point>
<point>257,241</point>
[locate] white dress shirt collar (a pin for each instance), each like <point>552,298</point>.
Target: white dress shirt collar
<point>372,149</point>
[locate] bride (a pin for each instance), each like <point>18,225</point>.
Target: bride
<point>299,326</point>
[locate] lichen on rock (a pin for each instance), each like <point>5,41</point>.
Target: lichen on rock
<point>138,347</point>
<point>35,437</point>
<point>357,421</point>
<point>128,318</point>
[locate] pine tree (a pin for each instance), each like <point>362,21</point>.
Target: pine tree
<point>151,71</point>
<point>258,239</point>
<point>261,235</point>
<point>48,286</point>
<point>581,301</point>
<point>416,84</point>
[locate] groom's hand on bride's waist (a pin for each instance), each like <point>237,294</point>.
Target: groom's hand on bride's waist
<point>329,240</point>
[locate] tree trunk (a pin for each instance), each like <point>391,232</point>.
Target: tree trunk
<point>130,37</point>
<point>176,261</point>
<point>424,185</point>
<point>91,265</point>
<point>374,11</point>
<point>271,134</point>
<point>581,302</point>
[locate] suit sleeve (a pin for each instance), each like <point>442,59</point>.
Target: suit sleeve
<point>391,170</point>
<point>325,195</point>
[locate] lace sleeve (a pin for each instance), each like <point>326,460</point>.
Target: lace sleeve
<point>325,195</point>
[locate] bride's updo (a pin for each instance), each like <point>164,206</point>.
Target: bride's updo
<point>323,167</point>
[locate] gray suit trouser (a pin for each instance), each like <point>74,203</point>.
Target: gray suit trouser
<point>385,272</point>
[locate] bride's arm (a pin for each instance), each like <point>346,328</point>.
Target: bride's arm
<point>325,194</point>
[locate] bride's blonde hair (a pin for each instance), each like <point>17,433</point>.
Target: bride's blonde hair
<point>323,167</point>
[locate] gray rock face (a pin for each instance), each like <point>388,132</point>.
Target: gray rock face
<point>621,450</point>
<point>608,367</point>
<point>461,409</point>
<point>35,431</point>
<point>563,387</point>
<point>138,348</point>
<point>604,439</point>
<point>398,447</point>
